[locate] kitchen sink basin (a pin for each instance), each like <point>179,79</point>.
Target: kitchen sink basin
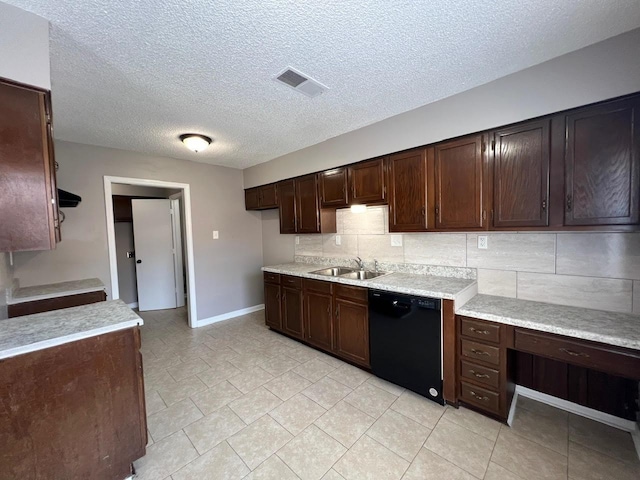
<point>362,275</point>
<point>334,271</point>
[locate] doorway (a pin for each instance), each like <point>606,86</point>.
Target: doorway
<point>150,219</point>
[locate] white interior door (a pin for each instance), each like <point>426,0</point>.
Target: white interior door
<point>178,260</point>
<point>153,238</point>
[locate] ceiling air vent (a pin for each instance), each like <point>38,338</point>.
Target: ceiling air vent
<point>300,82</point>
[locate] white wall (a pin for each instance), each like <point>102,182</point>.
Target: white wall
<point>275,247</point>
<point>607,69</point>
<point>227,270</point>
<point>24,47</point>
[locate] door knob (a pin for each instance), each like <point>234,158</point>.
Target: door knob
<point>138,261</point>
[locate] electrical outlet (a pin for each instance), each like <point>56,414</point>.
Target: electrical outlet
<point>396,240</point>
<point>297,240</point>
<point>483,242</point>
<point>216,235</point>
<point>338,240</point>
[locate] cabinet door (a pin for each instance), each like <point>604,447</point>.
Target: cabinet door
<point>292,312</point>
<point>252,199</point>
<point>307,205</point>
<point>408,191</point>
<point>287,206</point>
<point>333,187</point>
<point>272,306</point>
<point>602,164</point>
<point>318,320</point>
<point>521,175</point>
<point>367,182</point>
<point>28,195</point>
<point>352,331</point>
<point>459,166</point>
<point>269,196</point>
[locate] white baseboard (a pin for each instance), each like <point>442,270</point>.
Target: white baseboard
<point>227,316</point>
<point>512,410</point>
<point>133,305</point>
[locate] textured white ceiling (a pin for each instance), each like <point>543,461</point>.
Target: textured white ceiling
<point>136,74</point>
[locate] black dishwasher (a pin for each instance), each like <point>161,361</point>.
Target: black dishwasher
<point>406,341</point>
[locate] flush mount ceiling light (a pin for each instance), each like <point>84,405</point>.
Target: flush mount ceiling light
<point>195,141</point>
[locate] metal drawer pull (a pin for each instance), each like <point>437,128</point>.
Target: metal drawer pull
<point>482,332</point>
<point>478,397</point>
<point>574,354</point>
<point>478,375</point>
<point>479,352</point>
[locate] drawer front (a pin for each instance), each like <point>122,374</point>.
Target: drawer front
<point>357,294</point>
<point>487,332</point>
<point>318,286</point>
<point>272,277</point>
<point>480,397</point>
<point>480,374</point>
<point>605,359</point>
<point>479,351</point>
<point>289,281</point>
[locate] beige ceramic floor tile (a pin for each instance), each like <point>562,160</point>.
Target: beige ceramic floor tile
<point>587,464</point>
<point>173,393</point>
<point>371,400</point>
<point>157,379</point>
<point>194,352</point>
<point>328,359</point>
<point>172,419</point>
<point>327,392</point>
<point>311,454</point>
<point>602,438</point>
<point>333,475</point>
<point>418,408</point>
<point>496,472</point>
<point>219,372</point>
<point>399,434</point>
<point>187,369</point>
<point>273,469</point>
<point>154,402</point>
<point>218,354</point>
<point>345,423</point>
<point>165,457</point>
<point>460,446</point>
<point>429,466</point>
<point>350,376</point>
<point>216,397</point>
<point>259,441</point>
<point>542,409</point>
<point>314,370</point>
<point>297,413</point>
<point>546,431</point>
<point>250,379</point>
<point>254,405</point>
<point>221,463</point>
<point>279,364</point>
<point>473,421</point>
<point>209,431</point>
<point>287,385</point>
<point>369,460</point>
<point>301,353</point>
<point>528,459</point>
<point>387,386</point>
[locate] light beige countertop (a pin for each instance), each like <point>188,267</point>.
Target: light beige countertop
<point>409,283</point>
<point>54,290</point>
<point>30,333</point>
<point>620,329</point>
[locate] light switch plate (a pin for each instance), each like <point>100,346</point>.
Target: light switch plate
<point>396,240</point>
<point>297,240</point>
<point>338,240</point>
<point>483,242</point>
<point>216,235</point>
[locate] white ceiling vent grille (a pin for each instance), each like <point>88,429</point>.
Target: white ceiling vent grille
<point>300,82</point>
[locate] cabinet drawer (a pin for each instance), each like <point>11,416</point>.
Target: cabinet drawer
<point>480,374</point>
<point>481,397</point>
<point>479,351</point>
<point>289,281</point>
<point>603,358</point>
<point>318,286</point>
<point>357,294</point>
<point>479,330</point>
<point>272,277</point>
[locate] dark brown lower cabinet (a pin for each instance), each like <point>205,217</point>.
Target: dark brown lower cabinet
<point>352,324</point>
<point>292,311</point>
<point>319,319</point>
<point>74,411</point>
<point>49,304</point>
<point>272,307</point>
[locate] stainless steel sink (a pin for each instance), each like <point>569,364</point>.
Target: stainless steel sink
<point>362,275</point>
<point>334,271</point>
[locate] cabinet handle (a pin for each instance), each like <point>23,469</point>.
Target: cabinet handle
<point>338,312</point>
<point>284,296</point>
<point>569,202</point>
<point>329,310</point>
<point>437,210</point>
<point>484,215</point>
<point>478,352</point>
<point>277,296</point>
<point>482,332</point>
<point>574,354</point>
<point>63,217</point>
<point>478,375</point>
<point>478,397</point>
<point>422,211</point>
<point>544,205</point>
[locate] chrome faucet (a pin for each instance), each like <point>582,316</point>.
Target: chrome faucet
<point>359,262</point>
<point>375,265</point>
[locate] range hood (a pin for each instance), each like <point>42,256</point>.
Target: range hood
<point>67,199</point>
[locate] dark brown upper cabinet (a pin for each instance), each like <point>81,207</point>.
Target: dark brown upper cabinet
<point>408,191</point>
<point>602,164</point>
<point>333,188</point>
<point>287,206</point>
<point>28,191</point>
<point>310,218</point>
<point>521,175</point>
<point>252,198</point>
<point>459,183</point>
<point>367,182</point>
<point>261,198</point>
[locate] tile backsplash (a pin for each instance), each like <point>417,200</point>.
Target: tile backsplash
<point>593,270</point>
